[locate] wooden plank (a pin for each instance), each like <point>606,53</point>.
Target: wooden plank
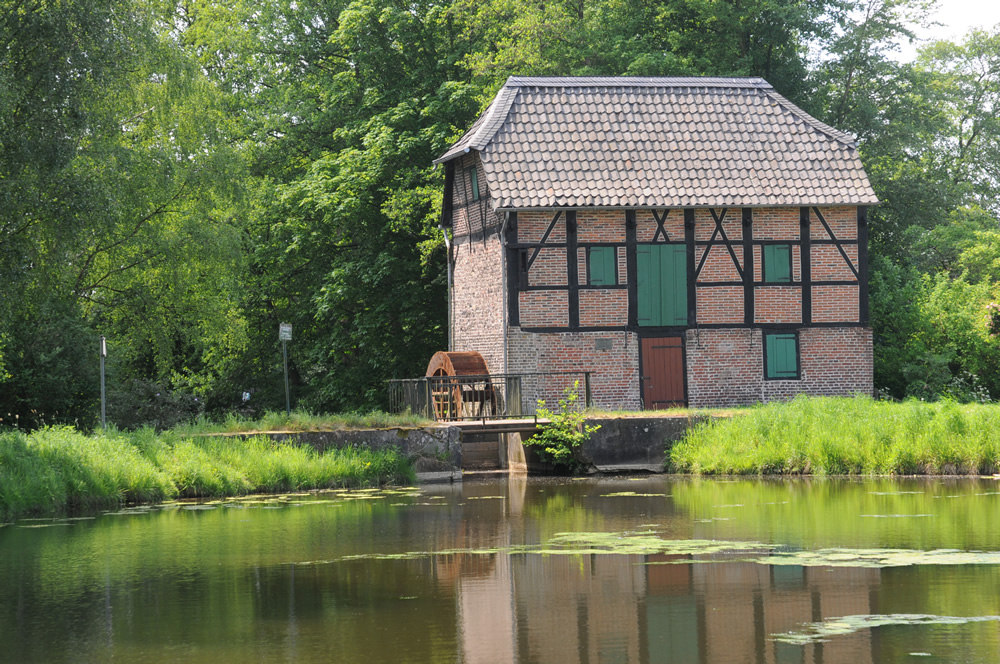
<point>662,372</point>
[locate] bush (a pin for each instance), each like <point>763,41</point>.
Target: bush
<point>559,441</point>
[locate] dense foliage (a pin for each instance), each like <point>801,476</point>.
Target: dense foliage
<point>182,177</point>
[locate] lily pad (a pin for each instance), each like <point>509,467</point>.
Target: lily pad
<point>822,631</point>
<point>633,494</point>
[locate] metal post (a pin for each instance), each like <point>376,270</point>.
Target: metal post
<point>288,403</point>
<point>285,335</point>
<point>104,353</point>
<point>586,389</point>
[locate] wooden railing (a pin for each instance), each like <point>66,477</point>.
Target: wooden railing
<point>485,397</point>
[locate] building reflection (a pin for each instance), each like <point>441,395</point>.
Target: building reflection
<point>679,609</point>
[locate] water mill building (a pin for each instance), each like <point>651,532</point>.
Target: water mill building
<point>687,241</point>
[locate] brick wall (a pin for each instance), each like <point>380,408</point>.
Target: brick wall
<point>603,308</point>
<point>477,300</point>
<point>726,367</point>
<point>612,357</point>
<point>777,304</point>
<point>544,308</point>
<point>718,265</point>
<point>646,226</point>
<point>834,304</point>
<point>720,304</point>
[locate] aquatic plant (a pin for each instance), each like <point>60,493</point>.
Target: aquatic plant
<point>845,436</point>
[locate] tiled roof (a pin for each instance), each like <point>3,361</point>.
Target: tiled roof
<point>659,142</point>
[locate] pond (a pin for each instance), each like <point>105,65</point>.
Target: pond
<point>643,569</point>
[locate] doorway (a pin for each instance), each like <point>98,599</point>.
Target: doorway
<point>662,372</point>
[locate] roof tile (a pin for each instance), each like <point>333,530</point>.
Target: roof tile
<point>659,141</point>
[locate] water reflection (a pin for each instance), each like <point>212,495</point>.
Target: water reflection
<point>453,573</point>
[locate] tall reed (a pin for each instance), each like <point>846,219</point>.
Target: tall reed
<point>845,436</point>
<point>58,469</point>
<point>303,421</point>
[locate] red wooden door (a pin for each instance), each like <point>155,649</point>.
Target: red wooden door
<point>662,376</point>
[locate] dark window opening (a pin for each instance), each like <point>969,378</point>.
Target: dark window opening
<point>474,182</point>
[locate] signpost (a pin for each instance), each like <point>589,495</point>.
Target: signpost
<point>104,354</point>
<point>285,334</point>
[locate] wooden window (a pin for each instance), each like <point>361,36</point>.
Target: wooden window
<point>601,266</point>
<point>781,356</point>
<point>661,271</point>
<point>474,182</point>
<point>778,263</point>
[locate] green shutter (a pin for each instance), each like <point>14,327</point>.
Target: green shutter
<point>662,284</point>
<point>777,263</point>
<point>675,311</point>
<point>646,280</point>
<point>601,266</point>
<point>782,356</point>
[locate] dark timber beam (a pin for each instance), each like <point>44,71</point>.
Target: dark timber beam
<point>572,270</point>
<point>514,268</point>
<point>748,312</point>
<point>806,265</point>
<point>631,268</point>
<point>863,264</point>
<point>691,272</point>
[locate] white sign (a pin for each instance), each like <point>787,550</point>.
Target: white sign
<point>285,332</point>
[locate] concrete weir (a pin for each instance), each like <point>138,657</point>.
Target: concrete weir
<point>621,444</point>
<point>441,453</point>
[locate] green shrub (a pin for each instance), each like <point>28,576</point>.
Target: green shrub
<point>558,441</point>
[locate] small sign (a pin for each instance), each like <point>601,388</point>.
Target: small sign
<point>285,332</point>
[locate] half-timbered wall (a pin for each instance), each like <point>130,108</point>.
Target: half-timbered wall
<point>731,254</point>
<point>749,272</point>
<point>470,211</point>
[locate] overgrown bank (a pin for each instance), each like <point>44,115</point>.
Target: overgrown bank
<point>846,436</point>
<point>60,468</point>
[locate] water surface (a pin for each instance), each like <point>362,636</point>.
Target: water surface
<point>651,569</point>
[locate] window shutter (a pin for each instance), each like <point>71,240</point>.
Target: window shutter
<point>782,356</point>
<point>662,284</point>
<point>644,286</point>
<point>601,266</point>
<point>676,309</point>
<point>777,263</point>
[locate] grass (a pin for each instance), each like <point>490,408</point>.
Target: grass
<point>59,469</point>
<point>300,421</point>
<point>845,436</point>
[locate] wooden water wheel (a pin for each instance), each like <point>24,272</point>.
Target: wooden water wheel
<point>461,386</point>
